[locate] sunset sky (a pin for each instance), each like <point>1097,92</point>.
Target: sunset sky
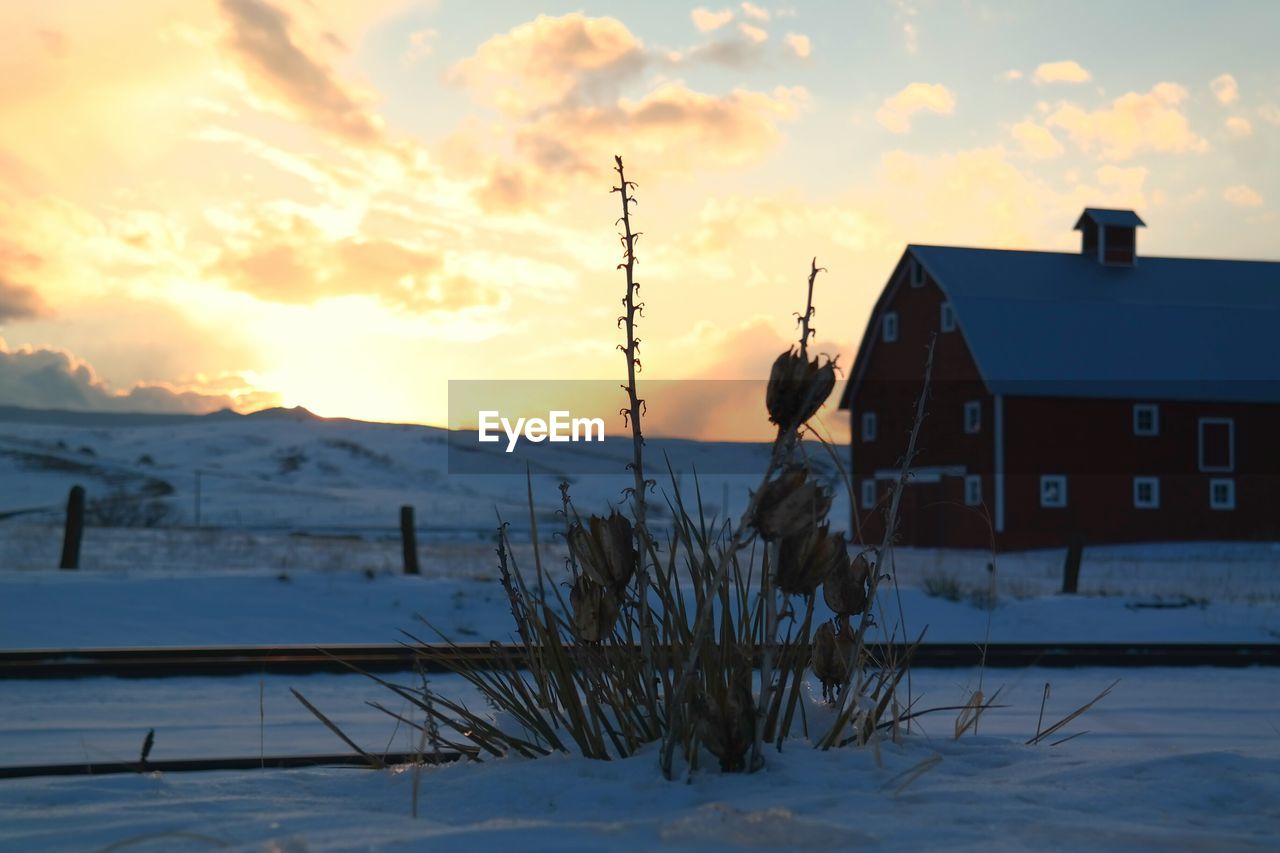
<point>343,204</point>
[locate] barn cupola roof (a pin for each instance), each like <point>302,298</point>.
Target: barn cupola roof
<point>1109,236</point>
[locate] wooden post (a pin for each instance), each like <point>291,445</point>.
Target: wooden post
<point>74,529</point>
<point>410,541</point>
<point>1071,569</point>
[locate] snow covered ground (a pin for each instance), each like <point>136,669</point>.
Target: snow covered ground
<point>1172,759</point>
<point>297,545</point>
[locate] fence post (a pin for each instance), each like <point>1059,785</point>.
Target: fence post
<point>409,540</point>
<point>74,529</point>
<point>1071,569</point>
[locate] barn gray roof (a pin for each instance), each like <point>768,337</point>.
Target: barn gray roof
<point>1060,324</point>
<point>1108,216</point>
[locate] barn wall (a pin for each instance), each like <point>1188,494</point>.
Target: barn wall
<point>1093,443</point>
<point>891,379</point>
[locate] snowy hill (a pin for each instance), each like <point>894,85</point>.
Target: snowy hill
<point>288,469</point>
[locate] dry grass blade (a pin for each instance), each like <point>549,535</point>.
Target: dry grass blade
<point>1040,736</point>
<point>972,712</point>
<point>374,762</point>
<point>912,773</point>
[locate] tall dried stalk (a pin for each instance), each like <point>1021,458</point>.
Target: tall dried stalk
<point>633,414</point>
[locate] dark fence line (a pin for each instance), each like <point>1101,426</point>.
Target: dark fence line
<point>195,765</point>
<point>295,659</point>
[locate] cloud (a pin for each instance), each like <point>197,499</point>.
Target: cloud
<point>1225,89</point>
<point>294,262</point>
<point>421,45</point>
<point>1066,71</point>
<point>978,197</point>
<point>1037,142</point>
<point>754,34</point>
<point>1238,126</point>
<point>562,86</point>
<point>261,38</point>
<point>44,378</point>
<point>706,20</point>
<point>754,12</point>
<point>1269,113</point>
<point>550,62</point>
<point>911,38</point>
<point>1011,74</point>
<point>1133,123</point>
<point>18,302</point>
<point>799,45</point>
<point>895,113</point>
<point>1242,196</point>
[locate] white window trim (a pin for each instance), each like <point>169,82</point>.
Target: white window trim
<point>1154,483</point>
<point>868,494</point>
<point>1231,444</point>
<point>972,489</point>
<point>976,423</point>
<point>1061,479</point>
<point>1230,502</point>
<point>870,427</point>
<point>889,327</point>
<point>947,317</point>
<point>915,273</point>
<point>1155,418</point>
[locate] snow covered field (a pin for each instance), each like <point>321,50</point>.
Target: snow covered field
<point>1173,759</point>
<point>296,546</point>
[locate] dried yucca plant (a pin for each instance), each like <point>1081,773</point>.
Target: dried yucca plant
<point>659,641</point>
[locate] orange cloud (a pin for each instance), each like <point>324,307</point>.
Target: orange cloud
<point>18,301</point>
<point>1037,142</point>
<point>1242,195</point>
<point>293,262</point>
<point>706,20</point>
<point>799,45</point>
<point>559,83</point>
<point>1066,71</point>
<point>896,112</point>
<point>1133,123</point>
<point>551,61</point>
<point>1225,89</point>
<point>1238,126</point>
<point>261,37</point>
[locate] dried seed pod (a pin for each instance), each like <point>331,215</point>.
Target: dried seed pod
<point>805,560</point>
<point>790,504</point>
<point>797,388</point>
<point>832,658</point>
<point>845,589</point>
<point>726,725</point>
<point>606,550</point>
<point>595,610</point>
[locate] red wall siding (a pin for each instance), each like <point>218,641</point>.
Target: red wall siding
<point>891,380</point>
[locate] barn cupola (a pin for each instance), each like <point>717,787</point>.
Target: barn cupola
<point>1109,236</point>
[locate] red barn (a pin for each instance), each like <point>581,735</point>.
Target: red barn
<point>1099,396</point>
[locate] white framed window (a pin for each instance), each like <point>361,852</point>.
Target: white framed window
<point>973,490</point>
<point>1146,492</point>
<point>1222,493</point>
<point>890,330</point>
<point>947,320</point>
<point>973,416</point>
<point>868,494</point>
<point>1053,491</point>
<point>1146,419</point>
<point>916,273</point>
<point>1217,444</point>
<point>869,426</point>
